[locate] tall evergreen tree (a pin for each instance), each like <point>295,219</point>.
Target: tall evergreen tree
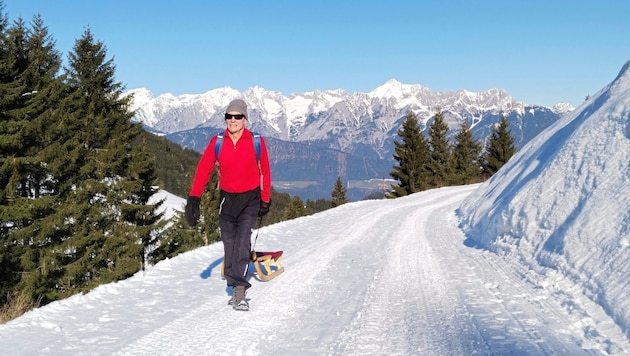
<point>42,93</point>
<point>32,64</point>
<point>440,162</point>
<point>499,148</point>
<point>411,155</point>
<point>467,156</point>
<point>338,194</point>
<point>9,256</point>
<point>12,123</point>
<point>102,181</point>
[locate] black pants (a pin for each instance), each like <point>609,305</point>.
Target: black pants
<point>237,218</point>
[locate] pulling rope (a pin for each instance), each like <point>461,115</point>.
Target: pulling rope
<point>256,238</point>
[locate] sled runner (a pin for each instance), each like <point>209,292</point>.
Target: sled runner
<point>263,264</point>
<point>268,272</point>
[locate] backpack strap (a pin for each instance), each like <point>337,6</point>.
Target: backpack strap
<point>217,146</point>
<point>217,149</point>
<point>256,139</point>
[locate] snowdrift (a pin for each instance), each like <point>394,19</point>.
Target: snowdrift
<point>562,203</point>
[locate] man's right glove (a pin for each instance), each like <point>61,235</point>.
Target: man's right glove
<point>192,210</point>
<point>264,208</point>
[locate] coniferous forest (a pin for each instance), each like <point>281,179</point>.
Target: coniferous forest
<point>76,174</point>
<point>424,163</point>
<point>74,189</point>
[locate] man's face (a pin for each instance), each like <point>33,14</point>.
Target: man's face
<point>235,121</point>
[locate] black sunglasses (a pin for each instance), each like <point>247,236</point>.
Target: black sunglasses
<point>237,116</point>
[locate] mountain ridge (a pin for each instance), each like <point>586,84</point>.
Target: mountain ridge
<point>266,105</point>
<point>361,126</point>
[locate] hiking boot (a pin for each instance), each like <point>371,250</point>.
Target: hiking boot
<point>240,303</point>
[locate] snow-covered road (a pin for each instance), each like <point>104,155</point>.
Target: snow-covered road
<point>388,277</point>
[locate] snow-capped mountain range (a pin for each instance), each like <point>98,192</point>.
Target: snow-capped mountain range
<point>356,128</point>
<point>316,115</point>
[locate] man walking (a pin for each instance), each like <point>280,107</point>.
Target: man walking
<point>245,194</point>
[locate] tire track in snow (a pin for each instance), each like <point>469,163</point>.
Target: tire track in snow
<point>498,320</point>
<point>413,316</point>
<point>345,263</point>
<point>438,311</point>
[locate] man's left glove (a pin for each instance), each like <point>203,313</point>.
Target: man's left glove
<point>264,208</point>
<point>192,210</point>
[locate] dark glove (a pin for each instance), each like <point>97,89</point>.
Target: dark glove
<point>192,210</point>
<point>264,208</point>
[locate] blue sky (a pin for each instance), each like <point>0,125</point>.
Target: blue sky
<point>540,52</point>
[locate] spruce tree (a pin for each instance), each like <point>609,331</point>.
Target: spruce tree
<point>338,194</point>
<point>440,163</point>
<point>13,125</point>
<point>31,65</point>
<point>499,148</point>
<point>103,183</point>
<point>10,250</point>
<point>467,156</point>
<point>295,209</point>
<point>411,155</point>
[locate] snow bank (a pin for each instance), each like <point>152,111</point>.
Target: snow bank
<point>562,203</point>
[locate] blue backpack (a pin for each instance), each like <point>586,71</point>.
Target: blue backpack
<point>219,142</point>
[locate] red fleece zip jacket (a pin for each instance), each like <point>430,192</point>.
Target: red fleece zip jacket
<point>238,168</point>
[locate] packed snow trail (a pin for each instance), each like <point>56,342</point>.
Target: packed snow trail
<point>378,277</point>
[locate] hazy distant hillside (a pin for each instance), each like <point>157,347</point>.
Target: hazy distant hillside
<point>175,166</point>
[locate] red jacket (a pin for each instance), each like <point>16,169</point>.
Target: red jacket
<point>238,169</point>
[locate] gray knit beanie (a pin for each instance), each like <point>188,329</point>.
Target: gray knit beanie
<point>237,105</point>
